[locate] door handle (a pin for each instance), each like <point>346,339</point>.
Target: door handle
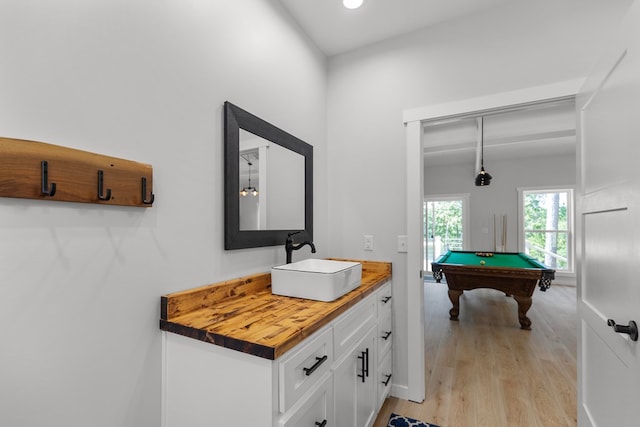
<point>631,329</point>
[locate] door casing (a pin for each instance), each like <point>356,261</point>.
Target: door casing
<point>413,119</point>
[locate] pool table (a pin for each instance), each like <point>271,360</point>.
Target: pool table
<point>513,273</point>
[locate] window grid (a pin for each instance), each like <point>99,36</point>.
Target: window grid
<point>539,209</point>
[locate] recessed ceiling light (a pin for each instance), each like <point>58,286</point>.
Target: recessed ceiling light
<point>352,4</point>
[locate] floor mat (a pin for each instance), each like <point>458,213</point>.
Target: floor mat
<point>400,421</point>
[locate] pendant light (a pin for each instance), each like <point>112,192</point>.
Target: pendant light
<point>483,178</point>
<point>249,188</point>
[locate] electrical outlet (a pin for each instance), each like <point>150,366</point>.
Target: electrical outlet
<point>368,243</point>
<point>402,243</point>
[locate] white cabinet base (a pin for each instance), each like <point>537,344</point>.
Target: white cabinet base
<point>199,376</point>
<point>204,385</point>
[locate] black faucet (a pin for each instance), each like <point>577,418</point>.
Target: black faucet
<point>289,247</point>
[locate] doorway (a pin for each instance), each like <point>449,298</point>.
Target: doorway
<point>414,120</point>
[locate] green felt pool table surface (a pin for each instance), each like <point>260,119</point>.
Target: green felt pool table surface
<point>509,260</point>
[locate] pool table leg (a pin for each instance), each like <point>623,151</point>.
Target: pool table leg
<point>524,303</point>
<point>454,296</point>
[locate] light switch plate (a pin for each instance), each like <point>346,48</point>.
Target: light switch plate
<point>402,243</point>
<point>368,242</point>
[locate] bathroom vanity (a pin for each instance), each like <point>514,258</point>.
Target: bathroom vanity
<point>236,354</point>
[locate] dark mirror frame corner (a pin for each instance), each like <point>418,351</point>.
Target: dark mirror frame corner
<point>235,118</point>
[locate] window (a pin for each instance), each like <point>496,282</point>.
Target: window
<point>546,232</point>
<point>445,225</point>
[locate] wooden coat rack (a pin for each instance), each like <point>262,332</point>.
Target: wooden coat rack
<point>36,170</point>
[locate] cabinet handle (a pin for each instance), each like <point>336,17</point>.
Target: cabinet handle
<point>386,382</point>
<point>319,361</point>
<point>322,424</point>
<point>364,358</point>
<point>386,335</point>
<point>367,354</point>
<point>386,299</point>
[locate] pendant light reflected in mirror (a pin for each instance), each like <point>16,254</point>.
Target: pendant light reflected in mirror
<point>248,189</point>
<point>483,178</point>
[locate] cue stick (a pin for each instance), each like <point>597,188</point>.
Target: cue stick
<point>504,233</point>
<point>494,232</point>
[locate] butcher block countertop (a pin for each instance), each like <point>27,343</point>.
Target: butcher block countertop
<point>243,315</point>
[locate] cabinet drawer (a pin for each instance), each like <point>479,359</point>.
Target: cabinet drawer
<point>300,370</point>
<point>384,378</point>
<point>384,300</point>
<point>353,326</point>
<point>313,409</point>
<point>385,334</point>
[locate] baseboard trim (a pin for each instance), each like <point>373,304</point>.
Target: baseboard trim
<point>400,391</point>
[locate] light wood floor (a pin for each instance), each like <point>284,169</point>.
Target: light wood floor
<point>485,371</point>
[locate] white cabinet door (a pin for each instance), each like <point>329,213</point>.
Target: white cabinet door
<point>384,377</point>
<point>355,384</point>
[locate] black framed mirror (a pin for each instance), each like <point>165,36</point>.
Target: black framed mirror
<point>268,188</point>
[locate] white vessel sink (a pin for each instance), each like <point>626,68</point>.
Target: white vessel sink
<point>316,279</point>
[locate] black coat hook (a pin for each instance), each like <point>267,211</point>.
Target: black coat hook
<point>44,166</point>
<point>100,185</point>
<point>152,197</point>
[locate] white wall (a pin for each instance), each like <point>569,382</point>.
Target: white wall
<point>519,45</point>
<point>143,80</point>
<point>501,197</point>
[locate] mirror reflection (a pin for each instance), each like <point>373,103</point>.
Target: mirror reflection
<point>269,198</point>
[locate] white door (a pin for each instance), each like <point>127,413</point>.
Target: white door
<point>609,237</point>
